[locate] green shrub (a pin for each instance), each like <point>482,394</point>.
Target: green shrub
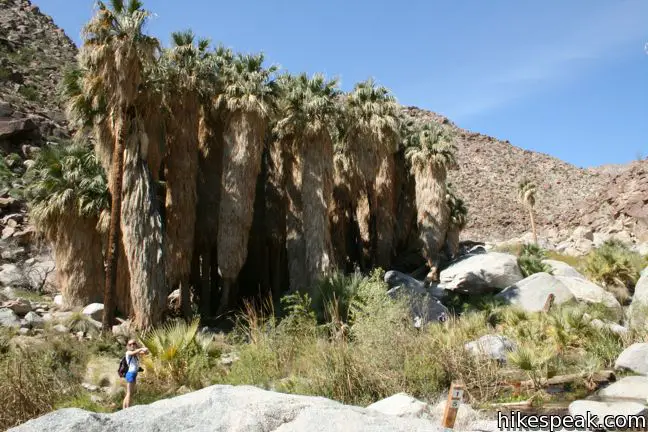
<point>530,260</point>
<point>29,92</point>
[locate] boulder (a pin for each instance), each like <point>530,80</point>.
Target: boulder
<point>94,311</point>
<point>481,274</point>
<point>40,273</point>
<point>531,293</point>
<point>641,289</point>
<point>613,327</point>
<point>11,275</point>
<point>617,409</point>
<point>401,405</point>
<point>13,128</point>
<point>589,292</point>
<point>58,300</point>
<point>396,279</point>
<point>60,328</point>
<point>34,320</point>
<point>424,308</point>
<point>8,318</point>
<point>492,346</point>
<point>19,306</point>
<point>229,408</point>
<point>630,387</point>
<point>559,268</point>
<point>583,233</point>
<point>634,358</point>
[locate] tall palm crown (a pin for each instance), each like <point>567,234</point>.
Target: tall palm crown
<point>185,66</point>
<point>372,111</point>
<point>244,84</point>
<point>308,105</point>
<point>526,192</point>
<point>84,98</point>
<point>65,179</point>
<point>116,49</point>
<point>431,145</point>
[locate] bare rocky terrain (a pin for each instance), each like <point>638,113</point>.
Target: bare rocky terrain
<point>34,52</point>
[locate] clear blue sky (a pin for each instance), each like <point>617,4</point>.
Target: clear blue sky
<point>567,78</point>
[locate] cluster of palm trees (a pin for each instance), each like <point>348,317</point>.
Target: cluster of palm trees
<point>225,178</point>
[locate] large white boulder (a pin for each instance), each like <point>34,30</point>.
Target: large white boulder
<point>531,293</point>
<point>492,346</point>
<point>401,405</point>
<point>8,318</point>
<point>483,273</point>
<point>559,268</point>
<point>228,408</point>
<point>641,289</point>
<point>634,358</point>
<point>94,311</point>
<point>614,409</point>
<point>630,387</point>
<point>589,292</point>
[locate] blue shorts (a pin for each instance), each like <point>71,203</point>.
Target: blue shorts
<point>131,377</point>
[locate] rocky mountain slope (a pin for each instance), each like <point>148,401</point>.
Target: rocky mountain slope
<point>34,52</point>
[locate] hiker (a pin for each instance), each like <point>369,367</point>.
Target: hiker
<point>132,360</point>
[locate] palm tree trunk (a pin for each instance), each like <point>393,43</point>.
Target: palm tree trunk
<point>433,213</point>
<point>363,217</point>
<point>112,257</point>
<point>452,242</point>
<point>141,226</point>
<point>79,261</point>
<point>242,155</point>
<point>205,286</point>
<point>316,191</point>
<point>533,226</point>
<point>385,211</point>
<point>295,243</point>
<point>180,172</point>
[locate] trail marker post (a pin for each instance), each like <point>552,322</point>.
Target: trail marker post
<point>455,396</point>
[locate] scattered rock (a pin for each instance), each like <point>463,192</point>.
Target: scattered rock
<point>229,359</point>
<point>424,308</point>
<point>630,387</point>
<point>8,318</point>
<point>397,279</point>
<point>613,327</point>
<point>94,311</point>
<point>19,306</point>
<point>61,328</point>
<point>401,405</point>
<point>492,346</point>
<point>11,275</point>
<point>24,331</point>
<point>34,320</point>
<point>634,358</point>
<point>58,300</point>
<point>531,293</point>
<point>589,292</point>
<point>224,408</point>
<point>604,409</point>
<point>481,274</point>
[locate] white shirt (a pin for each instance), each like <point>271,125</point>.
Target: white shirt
<point>133,363</point>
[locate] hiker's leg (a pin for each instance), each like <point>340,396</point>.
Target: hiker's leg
<point>127,398</point>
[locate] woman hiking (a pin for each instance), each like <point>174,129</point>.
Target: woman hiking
<point>133,351</point>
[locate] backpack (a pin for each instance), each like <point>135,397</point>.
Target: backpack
<point>123,367</point>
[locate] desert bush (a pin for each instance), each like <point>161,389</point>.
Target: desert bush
<point>34,378</point>
<point>530,260</point>
<point>616,267</point>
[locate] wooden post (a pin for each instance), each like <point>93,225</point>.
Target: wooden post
<point>548,303</point>
<point>452,405</point>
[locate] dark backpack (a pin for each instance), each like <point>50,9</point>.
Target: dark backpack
<point>123,367</point>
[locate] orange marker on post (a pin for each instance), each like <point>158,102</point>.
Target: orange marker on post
<point>455,396</point>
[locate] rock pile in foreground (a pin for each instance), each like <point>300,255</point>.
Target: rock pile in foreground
<point>228,408</point>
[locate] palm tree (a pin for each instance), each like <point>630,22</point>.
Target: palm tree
<point>246,100</point>
<point>67,193</point>
<point>307,109</point>
<point>430,152</point>
<point>458,221</point>
<point>526,194</point>
<point>184,74</point>
<point>87,112</point>
<point>116,54</point>
<point>373,134</point>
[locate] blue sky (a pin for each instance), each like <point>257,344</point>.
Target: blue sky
<point>566,78</point>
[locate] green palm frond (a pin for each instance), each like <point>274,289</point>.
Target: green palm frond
<point>458,210</point>
<point>371,110</point>
<point>526,192</point>
<point>244,84</point>
<point>431,145</point>
<point>307,105</point>
<point>65,180</point>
